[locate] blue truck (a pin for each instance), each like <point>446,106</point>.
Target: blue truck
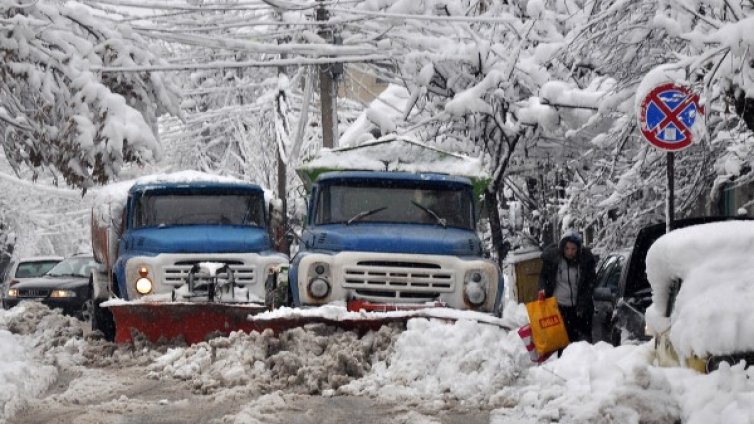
<point>185,238</point>
<point>382,240</point>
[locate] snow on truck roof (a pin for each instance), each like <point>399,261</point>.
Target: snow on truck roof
<point>395,154</point>
<point>111,199</point>
<point>712,311</point>
<point>397,176</point>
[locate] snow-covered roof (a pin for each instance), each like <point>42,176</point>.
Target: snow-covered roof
<point>712,312</point>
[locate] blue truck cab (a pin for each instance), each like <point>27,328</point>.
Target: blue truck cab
<point>163,230</point>
<point>394,238</point>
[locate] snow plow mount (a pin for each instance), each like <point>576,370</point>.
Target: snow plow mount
<point>210,282</point>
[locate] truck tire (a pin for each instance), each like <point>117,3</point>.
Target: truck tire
<point>102,320</point>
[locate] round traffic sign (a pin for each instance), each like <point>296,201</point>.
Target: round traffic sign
<point>667,115</point>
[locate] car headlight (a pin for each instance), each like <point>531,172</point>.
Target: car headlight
<point>318,288</point>
<point>13,293</point>
<point>144,285</point>
<point>62,293</point>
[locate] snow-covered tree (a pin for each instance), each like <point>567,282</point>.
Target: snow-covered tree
<point>59,112</point>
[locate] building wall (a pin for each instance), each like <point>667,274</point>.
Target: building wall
<point>360,85</point>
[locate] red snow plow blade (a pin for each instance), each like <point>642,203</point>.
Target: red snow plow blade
<point>193,322</point>
<point>196,322</point>
<point>365,305</point>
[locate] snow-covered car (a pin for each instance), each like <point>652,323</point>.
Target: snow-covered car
<point>702,295</point>
<point>27,268</point>
<point>65,286</point>
<point>622,292</point>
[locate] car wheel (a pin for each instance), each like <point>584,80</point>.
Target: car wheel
<point>102,320</point>
<point>85,313</point>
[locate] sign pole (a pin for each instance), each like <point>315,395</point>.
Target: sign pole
<point>670,207</point>
<point>666,118</point>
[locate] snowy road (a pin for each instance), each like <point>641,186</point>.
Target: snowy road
<point>431,372</point>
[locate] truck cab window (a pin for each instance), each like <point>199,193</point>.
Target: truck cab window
<point>340,203</point>
<point>200,209</point>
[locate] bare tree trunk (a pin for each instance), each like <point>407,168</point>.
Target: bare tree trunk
<point>493,203</point>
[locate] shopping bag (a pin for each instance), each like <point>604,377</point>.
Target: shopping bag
<point>525,334</point>
<point>547,327</point>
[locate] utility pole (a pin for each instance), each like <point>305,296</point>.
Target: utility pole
<point>327,97</point>
<point>282,189</point>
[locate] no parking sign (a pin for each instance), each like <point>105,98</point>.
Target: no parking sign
<point>667,115</point>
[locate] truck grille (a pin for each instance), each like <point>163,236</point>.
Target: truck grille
<point>177,274</point>
<point>33,293</point>
<point>396,280</point>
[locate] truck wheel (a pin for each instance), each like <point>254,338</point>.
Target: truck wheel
<point>102,320</point>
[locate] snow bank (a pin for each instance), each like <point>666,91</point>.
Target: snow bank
<point>314,360</point>
<point>439,362</point>
<point>32,340</point>
<point>712,313</point>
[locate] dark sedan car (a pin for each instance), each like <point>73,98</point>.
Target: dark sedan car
<point>65,286</point>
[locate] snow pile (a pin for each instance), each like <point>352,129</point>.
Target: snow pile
<point>313,359</point>
<point>593,384</point>
<point>439,362</point>
<point>32,339</point>
<point>712,312</point>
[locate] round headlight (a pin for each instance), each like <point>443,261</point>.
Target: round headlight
<point>475,294</point>
<point>319,288</point>
<point>143,285</point>
<point>476,277</point>
<point>319,269</point>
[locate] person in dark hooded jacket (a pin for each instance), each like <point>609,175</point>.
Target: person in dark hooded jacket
<point>568,273</point>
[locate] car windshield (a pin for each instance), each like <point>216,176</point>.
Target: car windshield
<point>352,203</point>
<point>73,267</point>
<point>34,268</point>
<point>199,209</point>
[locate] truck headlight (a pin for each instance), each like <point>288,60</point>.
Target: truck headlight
<point>475,293</point>
<point>143,285</point>
<point>318,288</point>
<point>62,293</point>
<point>13,293</point>
<point>475,289</point>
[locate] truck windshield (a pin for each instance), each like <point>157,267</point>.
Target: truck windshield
<point>353,203</point>
<point>159,210</point>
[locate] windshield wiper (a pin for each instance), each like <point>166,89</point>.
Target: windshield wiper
<point>432,213</point>
<point>364,214</point>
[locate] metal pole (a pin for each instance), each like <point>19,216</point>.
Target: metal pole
<point>282,240</point>
<point>326,85</point>
<point>670,207</point>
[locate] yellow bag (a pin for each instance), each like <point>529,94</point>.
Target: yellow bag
<point>547,327</point>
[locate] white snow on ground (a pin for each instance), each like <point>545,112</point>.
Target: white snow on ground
<point>438,362</point>
<point>433,365</point>
<point>25,370</point>
<point>712,313</point>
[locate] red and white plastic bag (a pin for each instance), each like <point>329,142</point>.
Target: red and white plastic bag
<point>525,334</point>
